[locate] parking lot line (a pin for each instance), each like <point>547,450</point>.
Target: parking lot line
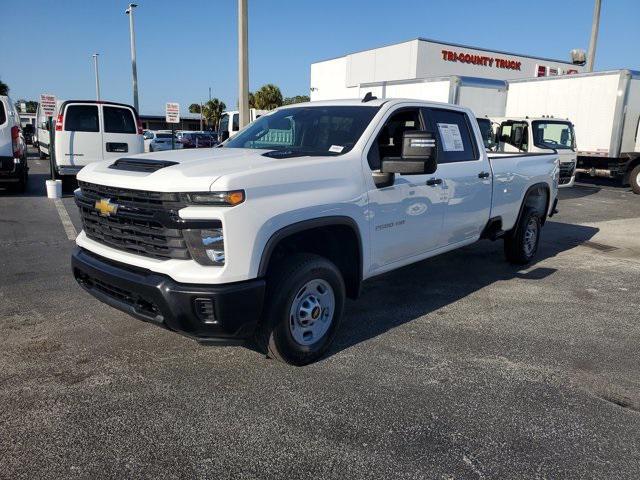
<point>69,229</point>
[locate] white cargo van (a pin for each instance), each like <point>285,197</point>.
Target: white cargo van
<point>230,122</point>
<point>88,131</point>
<point>13,149</point>
<point>485,97</point>
<point>605,110</point>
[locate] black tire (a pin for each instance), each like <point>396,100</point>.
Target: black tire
<point>634,180</point>
<point>284,286</point>
<point>517,243</point>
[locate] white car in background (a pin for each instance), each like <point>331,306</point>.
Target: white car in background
<point>158,141</point>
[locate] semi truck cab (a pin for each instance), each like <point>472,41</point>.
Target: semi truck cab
<point>537,135</point>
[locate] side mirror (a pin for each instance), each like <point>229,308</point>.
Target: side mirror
<point>419,155</point>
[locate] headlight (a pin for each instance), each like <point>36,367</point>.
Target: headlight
<point>206,246</point>
<point>224,199</point>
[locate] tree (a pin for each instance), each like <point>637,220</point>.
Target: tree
<point>295,99</point>
<point>4,88</point>
<point>268,97</point>
<point>194,108</point>
<point>31,105</point>
<point>212,111</point>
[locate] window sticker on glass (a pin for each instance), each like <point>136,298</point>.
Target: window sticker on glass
<point>451,138</point>
<point>336,148</point>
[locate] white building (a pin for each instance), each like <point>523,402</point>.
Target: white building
<point>420,59</point>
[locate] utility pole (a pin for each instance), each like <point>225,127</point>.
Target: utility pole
<point>209,93</point>
<point>243,63</point>
<point>595,25</point>
<point>134,67</point>
<point>201,129</point>
<point>95,67</point>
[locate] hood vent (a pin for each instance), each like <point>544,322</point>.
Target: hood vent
<point>140,164</point>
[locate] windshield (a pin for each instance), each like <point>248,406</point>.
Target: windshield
<point>553,134</point>
<point>301,131</point>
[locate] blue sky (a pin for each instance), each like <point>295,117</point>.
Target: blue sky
<point>186,47</point>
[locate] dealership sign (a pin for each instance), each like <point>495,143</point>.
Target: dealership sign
<point>482,60</point>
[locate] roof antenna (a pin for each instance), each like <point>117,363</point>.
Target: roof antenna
<point>368,97</point>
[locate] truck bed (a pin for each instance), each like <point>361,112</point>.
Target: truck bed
<point>513,174</point>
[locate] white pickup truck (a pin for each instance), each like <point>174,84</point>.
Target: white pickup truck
<point>263,239</point>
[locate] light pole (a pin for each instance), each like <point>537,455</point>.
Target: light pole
<point>134,68</point>
<point>95,67</point>
<point>595,25</point>
<point>243,64</point>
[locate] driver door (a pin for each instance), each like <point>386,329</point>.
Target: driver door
<point>406,217</point>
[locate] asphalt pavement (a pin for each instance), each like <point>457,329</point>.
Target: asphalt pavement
<point>458,367</point>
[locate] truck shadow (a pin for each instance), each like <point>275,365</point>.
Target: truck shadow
<point>407,294</point>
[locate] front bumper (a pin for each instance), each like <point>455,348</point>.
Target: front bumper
<point>68,169</point>
<point>158,299</point>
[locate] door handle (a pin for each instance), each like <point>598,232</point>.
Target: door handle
<point>434,181</point>
<point>483,175</point>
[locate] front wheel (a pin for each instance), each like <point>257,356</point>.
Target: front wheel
<point>521,244</point>
<point>634,179</point>
<point>304,305</point>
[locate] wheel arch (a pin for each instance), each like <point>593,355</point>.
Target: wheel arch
<point>336,238</point>
<point>533,197</point>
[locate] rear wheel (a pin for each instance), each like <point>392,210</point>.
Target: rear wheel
<point>305,301</point>
<point>521,244</point>
<point>634,179</point>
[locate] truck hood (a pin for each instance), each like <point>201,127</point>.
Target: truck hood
<point>194,170</point>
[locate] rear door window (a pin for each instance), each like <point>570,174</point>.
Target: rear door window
<point>3,114</point>
<point>81,118</point>
<point>119,120</point>
<point>455,141</point>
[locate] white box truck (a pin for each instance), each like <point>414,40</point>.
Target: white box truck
<point>485,97</point>
<point>605,110</point>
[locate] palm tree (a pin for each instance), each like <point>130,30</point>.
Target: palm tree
<point>296,99</point>
<point>212,111</point>
<point>194,108</point>
<point>268,97</point>
<point>4,88</point>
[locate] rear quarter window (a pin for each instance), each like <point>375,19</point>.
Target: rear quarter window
<point>3,114</point>
<point>455,142</point>
<point>119,120</point>
<point>81,118</point>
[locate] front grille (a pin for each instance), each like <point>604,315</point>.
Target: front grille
<point>566,172</point>
<point>144,223</point>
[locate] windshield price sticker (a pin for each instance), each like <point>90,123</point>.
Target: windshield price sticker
<point>336,148</point>
<point>451,138</point>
